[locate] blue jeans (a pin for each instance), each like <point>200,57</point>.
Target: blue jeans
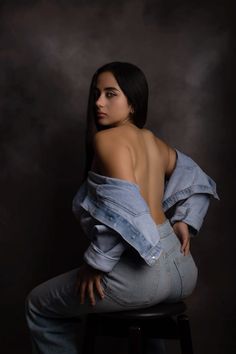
<point>55,316</point>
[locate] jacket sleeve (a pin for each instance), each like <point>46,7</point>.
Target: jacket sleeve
<point>105,248</point>
<point>187,193</point>
<point>191,211</point>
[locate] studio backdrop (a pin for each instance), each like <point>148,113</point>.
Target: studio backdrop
<point>49,51</point>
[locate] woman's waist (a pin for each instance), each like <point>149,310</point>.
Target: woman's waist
<point>158,214</point>
<point>165,228</point>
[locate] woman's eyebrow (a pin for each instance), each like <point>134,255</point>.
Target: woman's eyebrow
<point>108,88</point>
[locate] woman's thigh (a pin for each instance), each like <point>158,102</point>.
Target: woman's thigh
<point>131,284</point>
<point>58,297</point>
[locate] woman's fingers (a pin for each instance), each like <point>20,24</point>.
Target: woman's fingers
<point>185,247</point>
<point>83,287</point>
<point>91,293</point>
<point>184,243</point>
<point>182,232</point>
<point>86,280</point>
<point>99,287</point>
<point>87,288</point>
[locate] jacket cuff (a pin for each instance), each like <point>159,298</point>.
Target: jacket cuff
<point>99,260</point>
<point>193,221</point>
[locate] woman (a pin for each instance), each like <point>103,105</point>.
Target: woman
<point>133,181</point>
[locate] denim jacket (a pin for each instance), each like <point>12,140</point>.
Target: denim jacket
<point>114,215</point>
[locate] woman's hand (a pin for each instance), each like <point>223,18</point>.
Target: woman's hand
<point>182,232</point>
<point>88,279</point>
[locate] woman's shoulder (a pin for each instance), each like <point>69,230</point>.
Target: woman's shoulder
<point>113,136</point>
<point>111,145</point>
<point>115,131</point>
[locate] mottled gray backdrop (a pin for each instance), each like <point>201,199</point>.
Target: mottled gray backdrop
<point>49,51</point>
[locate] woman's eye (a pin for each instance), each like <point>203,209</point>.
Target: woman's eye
<point>110,94</point>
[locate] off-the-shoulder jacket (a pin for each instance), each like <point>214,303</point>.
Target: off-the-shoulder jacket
<point>114,215</point>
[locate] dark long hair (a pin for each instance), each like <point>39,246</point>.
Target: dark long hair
<point>133,83</point>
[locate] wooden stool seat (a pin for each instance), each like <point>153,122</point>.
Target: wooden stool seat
<point>163,321</point>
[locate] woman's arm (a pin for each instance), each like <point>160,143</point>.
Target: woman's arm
<point>187,193</point>
<point>105,249</point>
<point>191,211</point>
<point>113,156</point>
<point>182,232</point>
<point>114,160</point>
<point>100,257</point>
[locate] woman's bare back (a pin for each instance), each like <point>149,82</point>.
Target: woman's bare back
<point>152,160</point>
<point>151,164</point>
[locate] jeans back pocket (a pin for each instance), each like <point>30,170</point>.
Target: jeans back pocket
<point>188,273</point>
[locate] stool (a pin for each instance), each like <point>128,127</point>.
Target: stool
<point>163,321</point>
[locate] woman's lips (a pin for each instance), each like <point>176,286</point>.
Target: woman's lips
<point>100,114</point>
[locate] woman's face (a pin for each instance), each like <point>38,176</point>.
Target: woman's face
<point>111,101</point>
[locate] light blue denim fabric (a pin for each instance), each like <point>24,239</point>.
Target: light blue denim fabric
<point>53,309</point>
<point>114,215</point>
<point>142,260</point>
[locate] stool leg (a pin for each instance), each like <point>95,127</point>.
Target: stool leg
<point>135,340</point>
<point>89,337</point>
<point>185,335</point>
<point>155,346</point>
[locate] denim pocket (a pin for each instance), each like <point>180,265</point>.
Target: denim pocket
<point>132,285</point>
<point>188,273</point>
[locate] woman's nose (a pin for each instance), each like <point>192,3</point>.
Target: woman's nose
<point>100,101</point>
